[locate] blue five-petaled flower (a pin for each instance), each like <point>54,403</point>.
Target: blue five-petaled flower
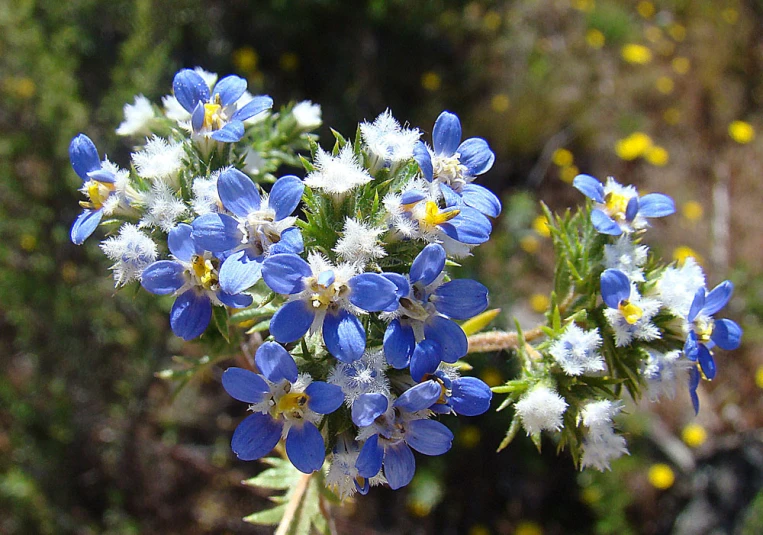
<point>257,228</point>
<point>284,404</point>
<point>193,277</point>
<point>215,113</point>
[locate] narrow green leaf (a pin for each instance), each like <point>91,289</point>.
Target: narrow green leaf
<point>268,517</point>
<point>510,434</point>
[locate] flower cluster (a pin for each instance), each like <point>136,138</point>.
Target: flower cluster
<point>347,266</point>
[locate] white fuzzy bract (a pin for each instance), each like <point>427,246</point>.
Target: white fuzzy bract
<point>307,115</point>
<point>131,251</point>
<point>663,371</point>
<point>601,444</point>
<point>677,286</point>
<point>359,243</point>
<point>364,376</point>
<point>138,117</point>
<point>205,199</point>
<point>163,208</point>
<point>342,472</point>
<point>387,142</point>
<point>626,256</point>
<point>643,328</point>
<point>337,175</point>
<point>541,410</point>
<point>160,160</point>
<point>576,351</point>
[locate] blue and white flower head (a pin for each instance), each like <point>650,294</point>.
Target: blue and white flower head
<point>160,160</point>
<point>628,313</point>
<point>307,115</point>
<point>663,371</point>
<point>422,332</point>
<point>285,404</point>
<point>131,251</point>
<point>627,256</point>
<point>337,175</point>
<point>105,185</point>
<point>677,287</point>
<point>388,144</point>
<point>467,396</point>
<point>364,376</point>
<point>138,118</point>
<point>360,243</point>
<point>260,226</point>
<point>619,209</point>
<point>577,351</point>
<point>193,277</point>
<point>215,114</point>
<point>390,428</point>
<point>541,409</point>
<point>601,444</point>
<point>453,165</point>
<point>174,110</point>
<point>342,475</point>
<point>163,208</point>
<point>325,298</point>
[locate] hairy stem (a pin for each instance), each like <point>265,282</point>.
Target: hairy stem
<point>497,340</point>
<point>294,502</point>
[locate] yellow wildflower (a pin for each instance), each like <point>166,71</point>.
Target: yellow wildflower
<point>661,476</point>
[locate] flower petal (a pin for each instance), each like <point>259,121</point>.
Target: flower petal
<point>399,343</point>
<point>230,89</point>
<point>254,107</point>
<point>449,335</point>
<point>197,117</point>
<point>325,398</point>
<point>632,209</point>
<point>163,277</point>
<point>240,271</point>
<point>604,224</point>
<point>428,264</point>
<point>368,407</point>
<point>190,315</point>
<point>238,193</point>
<point>615,287</point>
<point>284,273</point>
<point>446,134</point>
<point>470,396</point>
<point>230,133</point>
<point>305,447</point>
<point>237,300</point>
<point>85,225</point>
<point>244,385</point>
<point>256,436</point>
<point>84,156</point>
<point>429,437</point>
<point>717,298</point>
<point>372,292</point>
<point>469,227</point>
<point>425,358</point>
<point>370,459</point>
<point>291,321</point>
<point>460,299</point>
<point>691,346</point>
<point>275,363</point>
<point>697,304</point>
<point>482,199</point>
<point>216,233</point>
<point>190,89</point>
<point>399,465</point>
<point>285,196</point>
<point>590,187</point>
<point>476,156</point>
<point>419,397</point>
<point>424,159</point>
<point>291,242</point>
<point>706,362</point>
<point>344,336</point>
<point>656,205</point>
<point>727,334</point>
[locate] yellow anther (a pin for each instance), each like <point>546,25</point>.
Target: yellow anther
<point>212,115</point>
<point>630,312</point>
<point>292,404</point>
<point>616,205</point>
<point>98,193</point>
<point>204,271</point>
<point>433,216</point>
<point>703,327</point>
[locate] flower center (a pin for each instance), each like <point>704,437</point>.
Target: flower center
<point>204,271</point>
<point>98,192</point>
<point>630,312</point>
<point>324,290</point>
<point>616,205</point>
<point>292,405</point>
<point>213,115</point>
<point>259,232</point>
<point>703,328</point>
<point>448,169</point>
<point>433,216</point>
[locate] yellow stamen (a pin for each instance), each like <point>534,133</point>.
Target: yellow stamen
<point>292,404</point>
<point>204,271</point>
<point>630,312</point>
<point>433,216</point>
<point>703,327</point>
<point>212,115</point>
<point>98,193</point>
<point>616,205</point>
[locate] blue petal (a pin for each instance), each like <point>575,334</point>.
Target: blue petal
<point>469,227</point>
<point>256,436</point>
<point>85,225</point>
<point>326,278</point>
<point>460,298</point>
<point>449,335</point>
<point>285,196</point>
<point>428,437</point>
<point>694,400</point>
<point>216,232</point>
<point>181,243</point>
<point>190,89</point>
<point>163,277</point>
<point>656,205</point>
<point>691,346</point>
<point>240,271</point>
<point>230,89</point>
<point>255,106</point>
<point>284,273</point>
<point>197,117</point>
<point>476,156</point>
<point>446,134</point>
<point>372,292</point>
<point>190,315</point>
<point>244,385</point>
<point>717,298</point>
<point>590,187</point>
<point>425,359</point>
<point>238,193</point>
<point>428,264</point>
<point>604,224</point>
<point>615,287</point>
<point>369,461</point>
<point>324,397</point>
<point>275,363</point>
<point>452,199</point>
<point>402,285</point>
<point>367,408</point>
<point>399,342</point>
<point>727,334</point>
<point>482,199</point>
<point>412,196</point>
<point>237,300</point>
<point>470,396</point>
<point>694,378</point>
<point>291,321</point>
<point>399,465</point>
<point>305,447</point>
<point>84,156</point>
<point>102,175</point>
<point>344,336</point>
<point>419,397</point>
<point>706,361</point>
<point>291,242</point>
<point>697,304</point>
<point>632,209</point>
<point>230,133</point>
<point>424,159</point>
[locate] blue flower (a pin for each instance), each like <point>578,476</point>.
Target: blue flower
<point>390,430</point>
<point>619,208</point>
<point>257,229</point>
<point>215,114</point>
<point>193,276</point>
<point>705,332</point>
<point>285,404</point>
<point>324,297</point>
<point>454,166</point>
<point>422,333</point>
<point>629,314</point>
<point>467,396</point>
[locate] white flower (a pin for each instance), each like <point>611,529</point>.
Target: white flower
<point>637,325</point>
<point>337,175</point>
<point>676,286</point>
<point>131,251</point>
<point>601,444</point>
<point>138,117</point>
<point>576,351</point>
<point>206,200</point>
<point>359,243</point>
<point>173,110</point>
<point>160,159</point>
<point>663,371</point>
<point>307,115</point>
<point>366,375</point>
<point>163,208</point>
<point>599,414</point>
<point>626,256</point>
<point>253,161</point>
<point>387,141</point>
<point>541,410</point>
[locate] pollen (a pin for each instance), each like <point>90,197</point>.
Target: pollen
<point>98,193</point>
<point>630,312</point>
<point>293,404</point>
<point>212,118</point>
<point>433,216</point>
<point>616,205</point>
<point>204,271</point>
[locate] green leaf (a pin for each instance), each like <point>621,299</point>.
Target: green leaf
<point>511,433</point>
<point>268,517</point>
<point>220,315</point>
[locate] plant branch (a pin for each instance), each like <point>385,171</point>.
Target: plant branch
<point>497,340</point>
<point>294,501</point>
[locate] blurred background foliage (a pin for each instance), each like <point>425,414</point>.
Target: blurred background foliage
<point>663,94</point>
